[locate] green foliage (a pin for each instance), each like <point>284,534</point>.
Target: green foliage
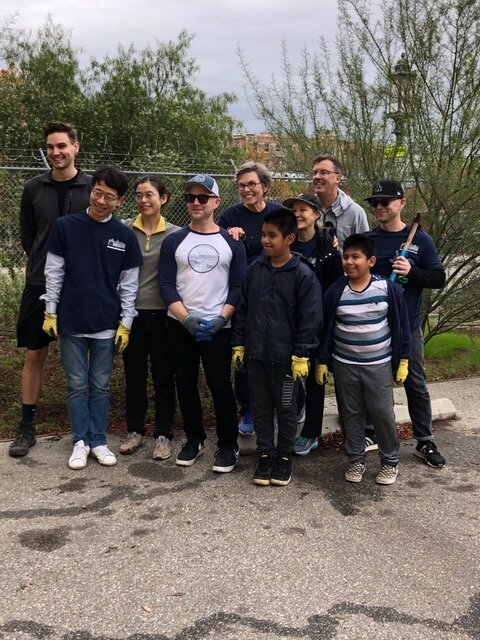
<point>133,103</point>
<point>341,105</point>
<point>452,355</point>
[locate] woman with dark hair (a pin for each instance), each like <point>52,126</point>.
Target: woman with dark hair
<point>244,221</point>
<point>148,337</point>
<point>318,245</point>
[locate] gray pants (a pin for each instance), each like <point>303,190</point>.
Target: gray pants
<point>361,389</point>
<point>418,397</point>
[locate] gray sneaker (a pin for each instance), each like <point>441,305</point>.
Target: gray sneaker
<point>355,472</point>
<point>303,445</point>
<point>387,474</point>
<point>132,443</point>
<point>163,448</point>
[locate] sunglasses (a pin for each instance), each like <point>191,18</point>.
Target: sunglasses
<point>202,198</point>
<point>382,202</point>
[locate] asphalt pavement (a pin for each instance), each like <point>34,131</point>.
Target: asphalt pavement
<point>147,550</point>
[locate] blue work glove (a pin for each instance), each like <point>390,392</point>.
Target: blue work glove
<point>193,324</point>
<point>213,326</point>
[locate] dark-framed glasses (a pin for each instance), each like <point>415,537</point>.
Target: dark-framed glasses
<point>382,202</point>
<point>203,198</point>
<point>241,186</point>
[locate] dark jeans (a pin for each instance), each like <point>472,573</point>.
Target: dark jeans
<point>216,359</point>
<point>272,388</point>
<point>418,398</point>
<point>149,343</point>
<point>314,405</point>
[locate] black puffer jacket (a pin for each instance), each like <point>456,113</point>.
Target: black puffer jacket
<point>38,212</point>
<point>280,313</point>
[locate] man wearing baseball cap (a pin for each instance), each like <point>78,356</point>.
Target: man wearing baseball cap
<point>420,269</point>
<point>200,270</point>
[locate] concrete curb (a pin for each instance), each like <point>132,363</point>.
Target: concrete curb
<point>442,409</point>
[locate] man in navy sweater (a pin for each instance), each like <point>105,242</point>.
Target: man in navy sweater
<point>421,269</point>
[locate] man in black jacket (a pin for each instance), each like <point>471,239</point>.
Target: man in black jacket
<point>65,189</point>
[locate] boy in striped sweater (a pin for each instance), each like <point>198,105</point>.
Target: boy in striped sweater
<point>366,342</point>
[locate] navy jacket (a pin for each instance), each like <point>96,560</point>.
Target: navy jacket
<point>397,318</point>
<point>280,313</point>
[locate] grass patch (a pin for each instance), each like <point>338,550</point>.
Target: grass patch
<point>452,355</point>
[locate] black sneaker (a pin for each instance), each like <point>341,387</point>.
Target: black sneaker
<point>225,460</point>
<point>189,453</point>
<point>24,439</point>
<point>263,472</point>
<point>430,454</point>
<point>282,471</point>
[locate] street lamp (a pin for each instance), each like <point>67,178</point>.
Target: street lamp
<point>401,81</point>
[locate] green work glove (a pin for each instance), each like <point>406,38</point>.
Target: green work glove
<point>238,354</point>
<point>122,337</point>
<point>402,371</point>
<point>321,374</point>
<point>299,367</point>
<point>50,324</point>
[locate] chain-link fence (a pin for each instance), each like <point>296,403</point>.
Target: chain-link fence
<point>12,179</point>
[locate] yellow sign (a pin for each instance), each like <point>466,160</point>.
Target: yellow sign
<point>395,151</point>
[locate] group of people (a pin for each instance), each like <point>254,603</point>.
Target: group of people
<point>286,291</point>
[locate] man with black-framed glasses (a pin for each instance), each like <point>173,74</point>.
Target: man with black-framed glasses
<point>339,209</point>
<point>201,269</point>
<point>420,269</point>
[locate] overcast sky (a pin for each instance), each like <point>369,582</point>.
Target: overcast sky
<point>220,26</point>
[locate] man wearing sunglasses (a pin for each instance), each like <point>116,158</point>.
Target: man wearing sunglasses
<point>201,269</point>
<point>338,208</point>
<point>421,269</point>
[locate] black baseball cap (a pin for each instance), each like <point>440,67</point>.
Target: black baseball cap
<point>309,198</point>
<point>386,189</point>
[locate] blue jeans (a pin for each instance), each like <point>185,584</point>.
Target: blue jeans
<point>88,363</point>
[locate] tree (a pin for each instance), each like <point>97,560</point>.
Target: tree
<point>339,104</point>
<point>134,107</point>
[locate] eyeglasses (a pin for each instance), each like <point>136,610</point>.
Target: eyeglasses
<point>108,197</point>
<point>241,186</point>
<point>382,202</point>
<point>149,195</point>
<point>201,197</point>
<point>324,172</point>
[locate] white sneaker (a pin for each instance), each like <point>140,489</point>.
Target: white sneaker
<point>104,456</point>
<point>78,459</point>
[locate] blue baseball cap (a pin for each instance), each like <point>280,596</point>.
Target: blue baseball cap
<point>206,181</point>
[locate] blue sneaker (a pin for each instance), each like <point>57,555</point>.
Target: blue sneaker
<point>303,446</point>
<point>246,426</point>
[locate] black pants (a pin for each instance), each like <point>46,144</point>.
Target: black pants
<point>149,342</point>
<point>272,388</point>
<point>216,359</point>
<point>314,405</point>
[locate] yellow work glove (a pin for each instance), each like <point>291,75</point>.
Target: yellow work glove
<point>238,354</point>
<point>122,337</point>
<point>50,324</point>
<point>321,374</point>
<point>299,367</point>
<point>402,372</point>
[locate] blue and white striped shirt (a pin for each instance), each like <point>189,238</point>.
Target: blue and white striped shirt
<point>361,333</point>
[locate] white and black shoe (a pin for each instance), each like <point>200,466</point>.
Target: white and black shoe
<point>189,453</point>
<point>225,460</point>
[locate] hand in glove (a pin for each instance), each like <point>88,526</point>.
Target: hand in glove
<point>213,326</point>
<point>50,324</point>
<point>193,324</point>
<point>299,367</point>
<point>402,372</point>
<point>238,354</point>
<point>122,337</point>
<point>321,374</point>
